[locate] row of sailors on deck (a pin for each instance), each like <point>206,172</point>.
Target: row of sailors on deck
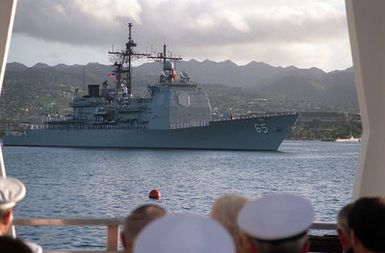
<point>276,223</point>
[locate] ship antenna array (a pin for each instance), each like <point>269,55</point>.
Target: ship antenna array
<point>163,56</point>
<point>126,56</point>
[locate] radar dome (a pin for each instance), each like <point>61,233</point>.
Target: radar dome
<point>169,65</point>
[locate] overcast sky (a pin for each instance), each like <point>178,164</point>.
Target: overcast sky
<point>303,33</point>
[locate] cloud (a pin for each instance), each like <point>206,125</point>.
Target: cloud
<point>228,28</point>
<point>110,10</point>
<point>192,23</point>
<point>77,22</point>
<point>96,22</point>
<point>30,51</point>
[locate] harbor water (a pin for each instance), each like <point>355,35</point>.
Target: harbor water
<point>109,183</point>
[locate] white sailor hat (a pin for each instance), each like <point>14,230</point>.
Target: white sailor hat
<point>11,191</point>
<point>185,233</point>
<point>276,217</point>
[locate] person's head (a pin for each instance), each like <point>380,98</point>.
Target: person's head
<point>278,223</point>
<point>225,210</point>
<point>8,244</point>
<point>136,221</point>
<point>367,223</point>
<point>343,229</point>
<point>11,191</point>
<point>177,233</point>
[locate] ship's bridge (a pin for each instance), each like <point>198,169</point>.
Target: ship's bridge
<point>178,103</point>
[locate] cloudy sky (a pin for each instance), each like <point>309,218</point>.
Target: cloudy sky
<point>303,33</point>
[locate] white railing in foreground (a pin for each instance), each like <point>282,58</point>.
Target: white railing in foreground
<point>112,226</point>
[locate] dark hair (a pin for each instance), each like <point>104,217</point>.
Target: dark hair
<point>138,219</point>
<point>144,208</point>
<point>342,218</point>
<point>367,220</point>
<point>8,244</point>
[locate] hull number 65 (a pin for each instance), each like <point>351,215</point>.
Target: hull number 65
<point>261,128</point>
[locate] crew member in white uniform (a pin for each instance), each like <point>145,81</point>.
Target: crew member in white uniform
<point>177,233</point>
<point>278,223</point>
<point>11,191</point>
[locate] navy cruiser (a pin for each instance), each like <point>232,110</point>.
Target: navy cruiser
<point>176,114</point>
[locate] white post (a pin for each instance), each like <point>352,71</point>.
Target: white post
<point>2,167</point>
<point>7,15</point>
<point>366,22</point>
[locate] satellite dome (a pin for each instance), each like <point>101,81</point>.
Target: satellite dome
<point>169,65</point>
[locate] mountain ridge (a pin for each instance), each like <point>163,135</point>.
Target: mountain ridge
<point>43,87</point>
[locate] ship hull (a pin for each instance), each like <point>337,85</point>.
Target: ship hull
<point>259,133</point>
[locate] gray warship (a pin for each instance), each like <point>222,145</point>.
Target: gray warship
<point>175,115</point>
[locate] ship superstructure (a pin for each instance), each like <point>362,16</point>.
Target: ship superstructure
<point>174,102</point>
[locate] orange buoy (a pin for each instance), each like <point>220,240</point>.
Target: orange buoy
<point>154,194</point>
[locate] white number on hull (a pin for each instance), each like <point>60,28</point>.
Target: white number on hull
<point>261,128</point>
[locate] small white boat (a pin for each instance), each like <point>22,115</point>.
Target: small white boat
<point>352,139</point>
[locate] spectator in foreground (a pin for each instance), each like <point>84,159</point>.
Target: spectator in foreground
<point>343,230</point>
<point>10,245</point>
<point>225,210</point>
<point>136,221</point>
<point>12,191</point>
<point>367,223</point>
<point>182,233</point>
<point>278,223</point>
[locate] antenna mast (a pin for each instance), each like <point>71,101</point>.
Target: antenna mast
<point>163,56</point>
<point>122,72</point>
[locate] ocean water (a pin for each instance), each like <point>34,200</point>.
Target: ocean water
<point>106,183</point>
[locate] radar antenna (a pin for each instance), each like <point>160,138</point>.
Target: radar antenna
<point>163,56</point>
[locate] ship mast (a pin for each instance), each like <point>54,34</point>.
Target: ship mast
<point>124,74</point>
<point>163,56</point>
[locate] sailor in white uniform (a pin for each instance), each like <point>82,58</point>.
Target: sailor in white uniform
<point>186,233</point>
<point>11,191</point>
<point>278,223</point>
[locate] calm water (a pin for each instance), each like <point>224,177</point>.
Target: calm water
<point>100,183</point>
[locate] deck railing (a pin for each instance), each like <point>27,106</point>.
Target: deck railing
<point>112,230</point>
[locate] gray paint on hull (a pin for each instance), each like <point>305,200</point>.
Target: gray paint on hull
<point>237,134</point>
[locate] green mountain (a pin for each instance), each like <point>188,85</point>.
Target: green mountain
<point>30,93</point>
